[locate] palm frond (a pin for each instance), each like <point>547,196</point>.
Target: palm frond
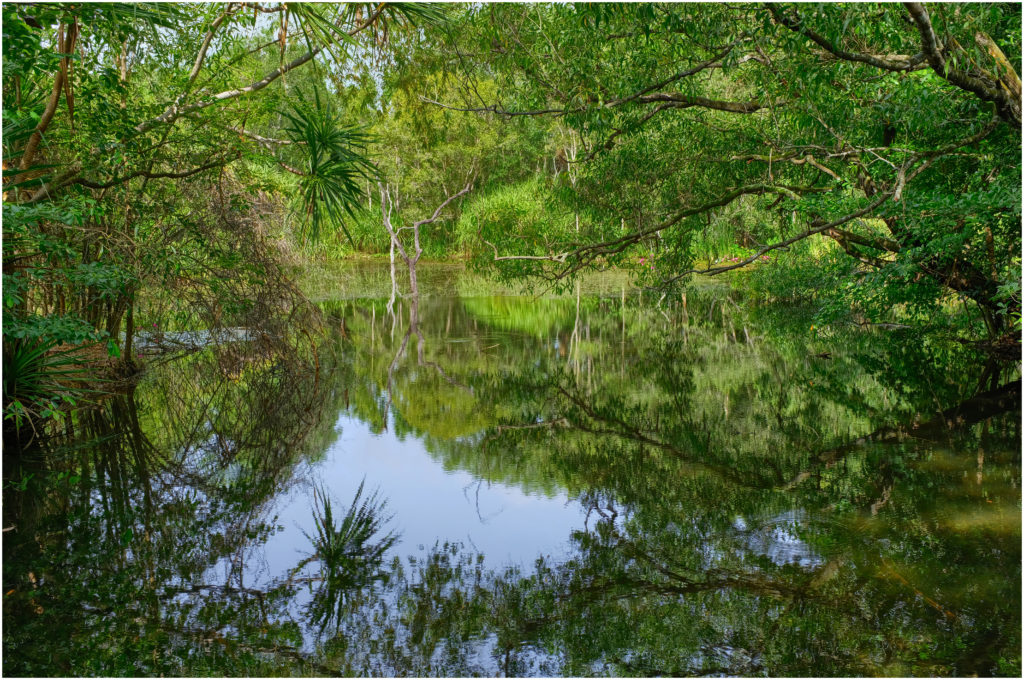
<point>319,30</point>
<point>350,551</point>
<point>334,161</point>
<point>37,376</point>
<point>419,14</point>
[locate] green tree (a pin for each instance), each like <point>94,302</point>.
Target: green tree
<point>892,132</point>
<point>125,125</point>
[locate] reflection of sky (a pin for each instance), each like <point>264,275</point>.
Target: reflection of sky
<point>427,504</point>
<point>776,539</point>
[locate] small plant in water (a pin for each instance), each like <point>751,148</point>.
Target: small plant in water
<point>350,552</point>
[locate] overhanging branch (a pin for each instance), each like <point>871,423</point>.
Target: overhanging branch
<point>151,175</point>
<point>713,271</point>
<point>585,254</point>
<point>1009,106</point>
<point>889,62</point>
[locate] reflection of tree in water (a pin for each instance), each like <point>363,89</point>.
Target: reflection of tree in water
<point>680,590</point>
<point>349,553</point>
<point>133,512</point>
<point>732,527</point>
<point>684,589</point>
<point>756,505</point>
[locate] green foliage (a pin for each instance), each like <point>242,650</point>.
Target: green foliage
<point>515,212</point>
<point>365,234</point>
<point>821,138</point>
<point>615,153</point>
<point>37,380</point>
<point>144,147</point>
<point>53,330</point>
<point>350,552</point>
<point>334,162</point>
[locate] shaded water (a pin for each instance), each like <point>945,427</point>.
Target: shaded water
<point>579,485</point>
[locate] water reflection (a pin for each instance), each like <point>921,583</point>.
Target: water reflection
<point>697,487</point>
<point>504,522</point>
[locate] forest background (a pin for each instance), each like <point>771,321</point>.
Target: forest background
<point>172,167</point>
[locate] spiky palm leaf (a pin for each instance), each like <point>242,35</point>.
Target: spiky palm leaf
<point>333,25</point>
<point>349,551</point>
<point>38,376</point>
<point>334,162</point>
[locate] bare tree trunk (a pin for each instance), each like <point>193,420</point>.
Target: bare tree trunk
<point>414,289</point>
<point>387,205</point>
<point>394,282</point>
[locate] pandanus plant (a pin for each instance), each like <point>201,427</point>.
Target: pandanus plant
<point>349,552</point>
<point>38,379</point>
<point>334,163</point>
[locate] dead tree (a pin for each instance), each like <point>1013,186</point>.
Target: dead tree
<point>386,209</point>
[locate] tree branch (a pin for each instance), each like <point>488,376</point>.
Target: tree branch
<point>437,213</point>
<point>712,271</point>
<point>617,245</point>
<point>610,142</point>
<point>808,159</point>
<point>289,168</point>
<point>902,177</point>
<point>642,95</point>
<point>494,109</point>
<point>173,112</point>
<point>848,242</point>
<point>897,62</point>
<point>149,175</point>
<point>684,101</point>
<point>876,242</point>
<point>679,76</point>
<point>1010,80</point>
<point>65,46</point>
<point>1009,106</point>
<point>206,43</point>
<point>588,253</point>
<point>268,143</point>
<point>386,206</point>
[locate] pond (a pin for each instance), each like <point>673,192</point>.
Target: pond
<point>481,481</point>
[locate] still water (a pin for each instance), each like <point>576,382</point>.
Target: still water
<point>471,483</point>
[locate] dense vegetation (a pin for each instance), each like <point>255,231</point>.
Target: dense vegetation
<point>852,172</point>
<point>871,153</point>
